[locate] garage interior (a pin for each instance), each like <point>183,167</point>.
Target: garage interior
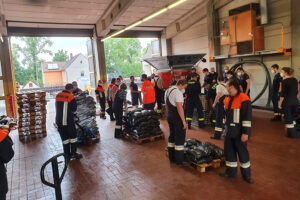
<point>118,169</point>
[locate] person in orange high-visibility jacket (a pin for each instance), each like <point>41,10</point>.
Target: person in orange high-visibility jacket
<point>100,95</point>
<point>148,93</point>
<point>6,154</point>
<point>238,128</point>
<point>66,107</point>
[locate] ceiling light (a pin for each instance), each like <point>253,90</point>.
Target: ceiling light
<point>170,6</point>
<point>155,14</point>
<point>176,4</point>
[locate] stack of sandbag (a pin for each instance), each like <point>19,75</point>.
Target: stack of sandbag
<point>142,123</point>
<point>202,152</point>
<point>86,114</point>
<point>32,114</point>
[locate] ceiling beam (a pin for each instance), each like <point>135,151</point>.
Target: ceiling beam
<point>221,3</point>
<point>138,34</point>
<point>3,28</point>
<point>116,9</point>
<point>193,16</point>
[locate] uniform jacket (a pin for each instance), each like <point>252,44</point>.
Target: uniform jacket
<point>148,92</point>
<point>77,91</point>
<point>65,107</point>
<point>238,115</point>
<point>100,93</point>
<point>193,89</point>
<point>6,154</point>
<point>109,92</point>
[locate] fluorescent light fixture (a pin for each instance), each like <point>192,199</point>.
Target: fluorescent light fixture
<point>170,6</point>
<point>176,4</point>
<point>133,25</point>
<point>155,14</point>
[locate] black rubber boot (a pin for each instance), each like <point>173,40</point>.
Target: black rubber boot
<point>171,153</point>
<point>231,172</point>
<point>292,133</point>
<point>189,123</point>
<point>201,124</point>
<point>67,150</point>
<point>276,118</point>
<point>217,135</point>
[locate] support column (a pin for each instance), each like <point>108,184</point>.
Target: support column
<point>295,37</point>
<point>8,77</point>
<point>165,45</point>
<point>101,60</point>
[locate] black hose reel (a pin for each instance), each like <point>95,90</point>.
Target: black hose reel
<point>268,82</point>
<point>55,171</point>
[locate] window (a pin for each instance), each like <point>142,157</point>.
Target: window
<point>30,85</point>
<point>52,66</point>
<point>82,73</point>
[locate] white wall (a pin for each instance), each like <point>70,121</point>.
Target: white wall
<point>73,72</point>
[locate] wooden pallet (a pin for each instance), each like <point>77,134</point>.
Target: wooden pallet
<point>147,139</point>
<point>202,167</point>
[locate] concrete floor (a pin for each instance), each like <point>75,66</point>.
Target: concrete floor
<point>117,169</point>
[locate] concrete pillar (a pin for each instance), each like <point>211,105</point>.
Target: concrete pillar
<point>295,37</point>
<point>101,60</point>
<point>165,45</point>
<point>8,77</point>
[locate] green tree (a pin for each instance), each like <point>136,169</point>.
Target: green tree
<point>123,56</point>
<point>61,56</point>
<point>32,49</point>
<point>21,74</point>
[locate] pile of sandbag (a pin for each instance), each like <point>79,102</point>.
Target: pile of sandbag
<point>32,114</point>
<point>86,113</point>
<point>202,152</point>
<point>142,123</point>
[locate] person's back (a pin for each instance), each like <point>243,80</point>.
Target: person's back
<point>193,89</point>
<point>65,107</point>
<point>148,92</point>
<point>6,154</point>
<point>290,89</point>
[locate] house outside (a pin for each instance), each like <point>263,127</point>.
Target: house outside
<point>56,74</point>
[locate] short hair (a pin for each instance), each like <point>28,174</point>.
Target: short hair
<point>194,75</point>
<point>288,70</point>
<point>69,86</point>
<point>177,77</point>
<point>230,72</point>
<point>236,84</point>
<point>131,77</point>
<point>123,86</point>
<point>74,82</point>
<point>144,76</point>
<point>220,78</point>
<point>118,79</point>
<point>194,69</point>
<point>181,82</point>
<point>275,66</point>
<point>113,80</point>
<point>205,70</point>
<point>240,69</point>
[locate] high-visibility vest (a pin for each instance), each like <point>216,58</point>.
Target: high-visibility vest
<point>3,134</point>
<point>148,92</point>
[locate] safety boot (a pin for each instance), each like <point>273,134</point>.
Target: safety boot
<point>76,156</point>
<point>217,135</point>
<point>276,118</point>
<point>201,125</point>
<point>189,123</point>
<point>248,180</point>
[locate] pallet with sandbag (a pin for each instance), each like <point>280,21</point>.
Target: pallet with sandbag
<point>146,139</point>
<point>203,167</point>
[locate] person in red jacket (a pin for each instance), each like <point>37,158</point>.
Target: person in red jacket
<point>100,94</point>
<point>6,154</point>
<point>76,90</point>
<point>148,93</point>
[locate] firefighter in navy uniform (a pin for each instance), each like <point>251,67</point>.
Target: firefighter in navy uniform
<point>76,89</point>
<point>66,107</point>
<point>289,102</point>
<point>119,101</point>
<point>6,154</point>
<point>158,88</point>
<point>238,121</point>
<point>275,93</point>
<point>193,92</point>
<point>100,94</point>
<point>177,124</point>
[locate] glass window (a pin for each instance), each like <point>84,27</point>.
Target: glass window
<point>52,66</point>
<point>82,73</point>
<point>1,89</point>
<point>2,107</point>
